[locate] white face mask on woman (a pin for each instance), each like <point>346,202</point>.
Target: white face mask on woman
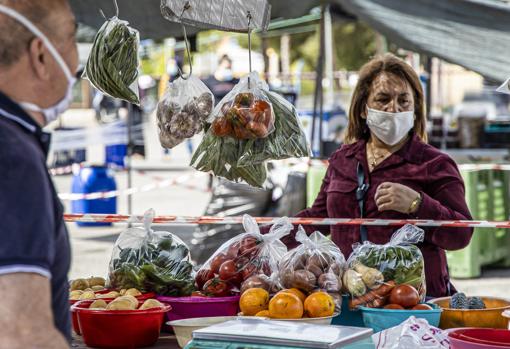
<point>50,113</point>
<point>390,128</point>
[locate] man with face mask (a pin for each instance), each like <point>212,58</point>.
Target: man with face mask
<point>38,58</point>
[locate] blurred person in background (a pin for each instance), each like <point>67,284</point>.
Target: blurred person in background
<point>223,80</point>
<point>38,62</point>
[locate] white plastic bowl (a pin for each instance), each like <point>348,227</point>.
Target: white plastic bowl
<point>183,329</point>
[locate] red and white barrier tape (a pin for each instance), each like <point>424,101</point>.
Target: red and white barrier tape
<point>482,167</point>
<point>115,218</point>
<point>181,181</point>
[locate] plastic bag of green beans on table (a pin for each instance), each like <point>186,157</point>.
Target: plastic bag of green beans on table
<point>374,270</point>
<point>229,152</point>
<point>183,110</point>
<point>112,66</point>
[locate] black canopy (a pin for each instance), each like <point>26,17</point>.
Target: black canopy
<point>472,33</point>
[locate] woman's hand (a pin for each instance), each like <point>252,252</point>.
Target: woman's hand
<point>395,197</point>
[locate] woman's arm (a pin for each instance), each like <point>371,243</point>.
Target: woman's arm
<point>445,200</point>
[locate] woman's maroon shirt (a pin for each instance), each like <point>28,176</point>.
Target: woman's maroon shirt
<point>416,165</point>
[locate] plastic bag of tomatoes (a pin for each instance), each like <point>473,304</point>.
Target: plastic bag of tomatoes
<point>248,260</point>
<point>378,273</point>
<point>316,264</point>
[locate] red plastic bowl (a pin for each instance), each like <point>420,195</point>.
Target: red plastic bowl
<point>119,328</point>
<point>479,338</point>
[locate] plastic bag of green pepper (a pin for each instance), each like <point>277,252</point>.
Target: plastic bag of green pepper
<point>112,66</point>
<point>249,127</point>
<point>151,261</point>
<point>375,269</point>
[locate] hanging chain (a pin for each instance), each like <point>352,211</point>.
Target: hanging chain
<point>116,10</point>
<point>249,44</point>
<point>186,7</point>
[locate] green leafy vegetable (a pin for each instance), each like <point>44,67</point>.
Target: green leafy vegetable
<point>112,66</point>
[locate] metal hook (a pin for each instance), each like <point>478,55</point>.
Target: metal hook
<point>249,44</point>
<point>116,10</point>
<point>179,71</point>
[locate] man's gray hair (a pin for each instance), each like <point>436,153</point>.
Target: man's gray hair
<point>14,37</point>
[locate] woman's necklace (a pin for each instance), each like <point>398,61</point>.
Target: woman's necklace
<point>375,157</point>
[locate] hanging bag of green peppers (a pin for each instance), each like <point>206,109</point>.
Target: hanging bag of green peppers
<point>250,126</point>
<point>112,66</point>
<point>374,270</point>
<point>151,261</point>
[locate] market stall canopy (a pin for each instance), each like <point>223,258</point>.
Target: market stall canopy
<point>470,33</point>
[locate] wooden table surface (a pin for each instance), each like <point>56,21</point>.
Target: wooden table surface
<point>165,342</point>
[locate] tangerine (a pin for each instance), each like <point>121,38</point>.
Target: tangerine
<point>319,304</point>
<point>286,305</point>
<point>254,300</point>
<point>263,313</point>
<point>296,292</point>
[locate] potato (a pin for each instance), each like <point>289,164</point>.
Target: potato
<point>255,281</point>
<point>321,261</point>
<point>329,282</point>
<point>314,269</point>
<point>132,292</point>
<point>120,304</point>
<point>150,304</point>
<point>337,269</point>
<point>79,284</point>
<point>131,299</point>
<point>123,292</point>
<point>300,261</point>
<point>304,280</point>
<point>97,288</point>
<point>98,304</point>
<point>75,295</point>
<point>87,295</point>
<point>287,278</point>
<point>96,281</point>
<point>112,294</point>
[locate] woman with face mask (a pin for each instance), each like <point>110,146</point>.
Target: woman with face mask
<point>386,170</point>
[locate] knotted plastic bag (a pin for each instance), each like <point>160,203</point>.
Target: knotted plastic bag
<point>151,261</point>
<point>248,260</point>
<point>412,333</point>
<point>112,66</point>
<point>183,110</point>
<point>375,269</point>
<point>316,264</point>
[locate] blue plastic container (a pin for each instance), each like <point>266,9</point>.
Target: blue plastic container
<point>115,155</point>
<point>348,317</point>
<point>90,180</point>
<point>382,319</point>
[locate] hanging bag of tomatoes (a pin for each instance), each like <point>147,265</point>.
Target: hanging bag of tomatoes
<point>246,261</point>
<point>390,275</point>
<point>249,127</point>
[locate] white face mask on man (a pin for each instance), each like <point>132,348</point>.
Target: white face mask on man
<point>390,128</point>
<point>50,113</point>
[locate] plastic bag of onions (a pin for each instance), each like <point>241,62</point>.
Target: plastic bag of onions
<point>183,110</point>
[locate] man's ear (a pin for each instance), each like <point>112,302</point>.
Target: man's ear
<point>39,58</point>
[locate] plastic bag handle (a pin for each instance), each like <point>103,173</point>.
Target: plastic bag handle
<point>408,234</point>
<point>280,228</point>
<point>148,218</point>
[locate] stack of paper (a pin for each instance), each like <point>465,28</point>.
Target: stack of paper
<point>286,333</point>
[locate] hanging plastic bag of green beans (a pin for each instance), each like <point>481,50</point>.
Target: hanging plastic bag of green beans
<point>112,66</point>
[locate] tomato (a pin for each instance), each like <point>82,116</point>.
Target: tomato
<point>405,295</point>
<point>229,272</point>
<point>221,127</point>
<point>197,294</point>
<point>394,306</point>
<point>217,261</point>
<point>203,276</point>
<point>422,307</point>
<point>233,250</point>
<point>248,246</point>
<point>248,270</point>
<point>217,288</point>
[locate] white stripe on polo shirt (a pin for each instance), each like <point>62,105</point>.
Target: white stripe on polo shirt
<point>24,268</point>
